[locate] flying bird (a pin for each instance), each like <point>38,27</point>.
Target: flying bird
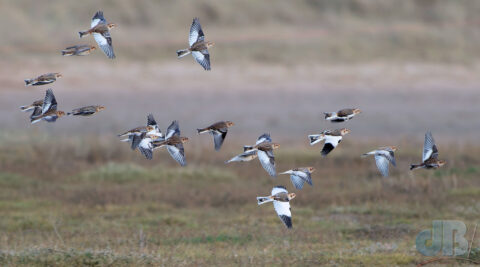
<point>342,115</point>
<point>134,135</point>
<point>383,157</point>
<point>299,176</point>
<point>174,143</point>
<point>78,50</point>
<point>100,30</point>
<point>245,156</point>
<point>86,111</point>
<point>430,155</point>
<point>219,131</point>
<point>332,139</point>
<point>263,149</point>
<point>145,146</point>
<point>38,103</point>
<point>281,203</point>
<point>198,45</point>
<point>48,112</point>
<point>43,79</point>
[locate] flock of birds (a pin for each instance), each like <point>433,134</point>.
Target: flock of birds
<point>149,137</point>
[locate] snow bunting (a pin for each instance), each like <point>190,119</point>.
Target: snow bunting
<point>198,45</point>
<point>430,155</point>
<point>264,148</point>
<point>174,143</point>
<point>38,103</point>
<point>332,139</point>
<point>299,176</point>
<point>281,203</point>
<point>219,131</point>
<point>383,156</point>
<point>100,31</point>
<point>86,111</point>
<point>245,156</point>
<point>48,112</point>
<point>342,115</point>
<point>43,79</point>
<point>134,135</point>
<point>78,50</point>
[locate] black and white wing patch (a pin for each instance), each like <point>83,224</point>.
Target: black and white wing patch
<point>196,33</point>
<point>98,18</point>
<point>203,58</point>
<point>283,211</point>
<point>218,138</point>
<point>136,140</point>
<point>178,153</point>
<point>382,164</point>
<point>331,142</point>
<point>146,147</point>
<point>49,103</point>
<point>173,129</point>
<point>104,41</point>
<point>268,162</point>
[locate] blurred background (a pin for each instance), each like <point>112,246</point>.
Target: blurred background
<point>72,193</point>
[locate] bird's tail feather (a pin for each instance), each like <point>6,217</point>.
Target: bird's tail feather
<point>82,34</point>
<point>246,148</point>
<point>28,82</point>
<point>263,200</point>
<point>200,131</point>
<point>182,53</point>
<point>415,166</point>
<point>329,115</point>
<point>25,108</point>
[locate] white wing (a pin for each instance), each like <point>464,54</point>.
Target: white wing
<point>279,189</point>
<point>203,58</point>
<point>97,18</point>
<point>428,146</point>
<point>177,152</point>
<point>268,162</point>
<point>196,32</point>
<point>263,138</point>
<point>331,142</point>
<point>105,44</point>
<point>284,213</point>
<point>382,164</point>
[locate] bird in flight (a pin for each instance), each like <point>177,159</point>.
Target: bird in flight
<point>135,135</point>
<point>198,45</point>
<point>219,131</point>
<point>281,203</point>
<point>430,155</point>
<point>43,79</point>
<point>342,115</point>
<point>86,111</point>
<point>48,112</point>
<point>300,176</point>
<point>174,143</point>
<point>383,157</point>
<point>100,30</point>
<point>332,139</point>
<point>38,103</point>
<point>78,50</point>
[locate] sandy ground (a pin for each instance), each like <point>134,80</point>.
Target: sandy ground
<point>398,100</point>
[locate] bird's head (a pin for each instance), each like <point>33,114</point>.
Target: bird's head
<point>356,111</point>
<point>311,169</point>
<point>184,139</point>
<point>291,196</point>
<point>111,25</point>
<point>344,131</point>
<point>60,113</point>
<point>92,47</point>
<point>229,123</point>
<point>150,128</point>
<point>441,163</point>
<point>210,44</point>
<point>393,148</point>
<point>100,108</point>
<point>275,146</point>
<point>58,75</point>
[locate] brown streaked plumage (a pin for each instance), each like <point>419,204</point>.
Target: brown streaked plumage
<point>430,155</point>
<point>78,50</point>
<point>219,131</point>
<point>342,115</point>
<point>100,30</point>
<point>198,45</point>
<point>43,79</point>
<point>86,111</point>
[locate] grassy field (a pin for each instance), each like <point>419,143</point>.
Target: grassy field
<point>89,201</point>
